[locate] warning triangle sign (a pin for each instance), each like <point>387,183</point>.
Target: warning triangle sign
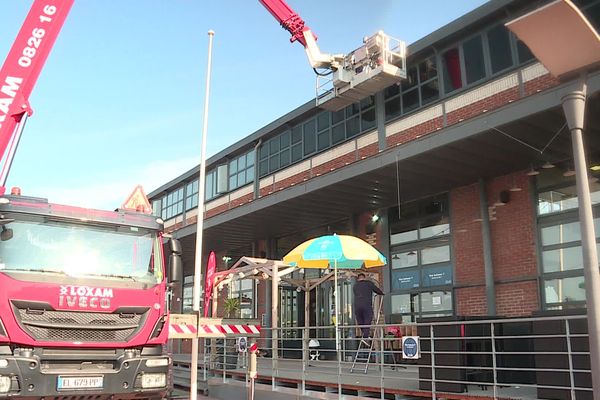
<point>137,201</point>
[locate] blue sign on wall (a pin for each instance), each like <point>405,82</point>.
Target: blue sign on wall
<point>437,276</point>
<point>405,279</point>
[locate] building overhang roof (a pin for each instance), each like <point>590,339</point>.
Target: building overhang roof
<point>512,138</point>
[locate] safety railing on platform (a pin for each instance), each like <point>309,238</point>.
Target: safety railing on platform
<point>526,358</point>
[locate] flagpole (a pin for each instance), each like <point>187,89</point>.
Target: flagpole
<point>200,225</point>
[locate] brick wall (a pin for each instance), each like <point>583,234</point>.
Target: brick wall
<point>467,249</point>
<point>512,235</point>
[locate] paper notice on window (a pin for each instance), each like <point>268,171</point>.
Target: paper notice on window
<point>436,300</point>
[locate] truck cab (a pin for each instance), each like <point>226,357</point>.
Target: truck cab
<point>83,302</point>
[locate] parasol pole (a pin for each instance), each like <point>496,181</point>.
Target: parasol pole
<point>335,298</point>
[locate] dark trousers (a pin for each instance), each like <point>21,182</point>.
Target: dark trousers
<point>364,316</point>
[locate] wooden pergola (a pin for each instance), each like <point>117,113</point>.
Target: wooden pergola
<point>274,270</point>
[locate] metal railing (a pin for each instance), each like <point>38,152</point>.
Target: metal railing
<point>525,358</point>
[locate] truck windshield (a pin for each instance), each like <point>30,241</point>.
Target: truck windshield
<point>114,252</point>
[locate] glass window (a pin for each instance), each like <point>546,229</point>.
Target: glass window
<point>297,152</point>
<point>435,255</point>
<point>296,134</point>
<point>392,108</point>
<point>405,303</point>
<point>274,145</point>
<point>191,195</point>
<point>427,70</point>
<point>368,119</point>
<point>310,142</point>
<point>172,204</point>
<point>274,162</point>
<point>565,259</point>
<point>523,52</point>
<point>352,109</point>
<point>434,227</point>
<point>284,139</point>
<point>211,190</point>
<point>241,169</point>
<point>404,260</point>
<point>499,46</point>
<point>284,158</point>
<point>243,290</point>
<point>403,237</point>
<point>410,100</point>
<point>430,92</point>
<point>559,234</point>
<point>337,116</point>
<point>564,290</point>
<point>412,79</point>
<point>323,121</point>
<point>391,91</point>
<point>323,141</point>
<point>352,127</point>
<point>474,62</point>
<point>452,70</point>
<point>436,301</point>
<point>338,133</point>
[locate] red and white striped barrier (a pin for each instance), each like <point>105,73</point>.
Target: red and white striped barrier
<point>188,326</point>
<point>224,329</point>
<point>183,326</point>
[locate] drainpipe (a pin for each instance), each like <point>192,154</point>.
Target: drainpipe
<point>490,289</point>
<point>256,174</point>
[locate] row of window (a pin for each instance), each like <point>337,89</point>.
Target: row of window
<point>318,133</point>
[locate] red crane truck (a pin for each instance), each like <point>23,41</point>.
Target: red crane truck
<point>83,293</point>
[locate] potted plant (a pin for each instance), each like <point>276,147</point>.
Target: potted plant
<point>231,307</point>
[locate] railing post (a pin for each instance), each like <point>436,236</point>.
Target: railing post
<point>224,360</point>
<point>494,371</point>
<point>305,358</point>
<point>570,355</point>
<point>432,356</point>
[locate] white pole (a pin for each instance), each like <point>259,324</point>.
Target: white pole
<point>274,316</point>
<point>574,109</point>
<point>200,226</point>
<point>335,298</point>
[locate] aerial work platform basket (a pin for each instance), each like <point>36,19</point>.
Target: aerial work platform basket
<point>377,64</point>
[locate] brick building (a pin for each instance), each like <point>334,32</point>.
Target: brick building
<point>467,165</point>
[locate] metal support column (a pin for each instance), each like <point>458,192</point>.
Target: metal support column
<point>488,265</point>
<point>574,109</point>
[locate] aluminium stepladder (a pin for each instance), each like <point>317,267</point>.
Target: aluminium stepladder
<point>368,347</point>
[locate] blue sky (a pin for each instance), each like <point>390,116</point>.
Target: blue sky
<point>120,99</point>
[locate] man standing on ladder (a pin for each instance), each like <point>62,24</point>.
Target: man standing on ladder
<point>363,304</point>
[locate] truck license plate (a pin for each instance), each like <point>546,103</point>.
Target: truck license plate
<point>79,382</point>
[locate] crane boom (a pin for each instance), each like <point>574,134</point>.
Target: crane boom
<point>288,18</point>
<point>22,68</point>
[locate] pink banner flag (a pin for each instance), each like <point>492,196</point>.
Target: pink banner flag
<point>211,268</point>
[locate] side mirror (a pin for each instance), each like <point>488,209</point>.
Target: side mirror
<point>175,268</point>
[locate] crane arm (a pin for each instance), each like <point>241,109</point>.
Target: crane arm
<point>288,18</point>
<point>293,23</point>
<point>23,65</point>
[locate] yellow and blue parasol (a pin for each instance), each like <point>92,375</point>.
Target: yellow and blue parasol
<point>335,251</point>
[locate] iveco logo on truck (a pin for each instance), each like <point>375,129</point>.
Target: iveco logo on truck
<point>84,297</point>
